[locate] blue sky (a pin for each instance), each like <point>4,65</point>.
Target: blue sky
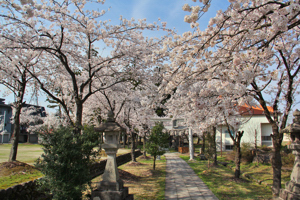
<point>169,11</point>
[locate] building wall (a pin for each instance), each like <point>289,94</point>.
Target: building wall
<point>5,116</point>
<point>25,136</point>
<point>250,125</point>
<point>266,130</point>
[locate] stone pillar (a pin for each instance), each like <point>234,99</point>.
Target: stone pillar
<point>111,187</point>
<point>292,187</point>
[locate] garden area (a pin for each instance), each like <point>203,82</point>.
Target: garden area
<point>78,77</point>
<point>146,183</point>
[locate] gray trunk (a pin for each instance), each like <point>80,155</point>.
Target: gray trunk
<point>191,144</point>
<point>133,135</point>
<point>276,161</point>
<point>144,146</point>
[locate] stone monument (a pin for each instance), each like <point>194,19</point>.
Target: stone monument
<point>292,187</point>
<point>111,187</point>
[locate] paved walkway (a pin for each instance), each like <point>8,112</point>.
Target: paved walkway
<point>182,182</point>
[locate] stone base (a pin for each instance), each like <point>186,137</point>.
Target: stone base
<point>111,186</point>
<point>291,191</point>
<point>111,195</point>
<point>292,187</point>
<point>288,195</point>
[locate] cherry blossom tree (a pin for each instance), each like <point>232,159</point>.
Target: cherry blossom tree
<point>252,48</point>
<point>135,117</point>
<point>14,75</point>
<point>70,37</point>
<point>131,103</point>
<point>203,107</point>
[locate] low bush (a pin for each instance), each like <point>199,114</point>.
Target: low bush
<point>66,161</point>
<point>247,153</point>
<point>285,149</point>
<point>230,155</point>
<point>265,148</point>
<point>287,159</point>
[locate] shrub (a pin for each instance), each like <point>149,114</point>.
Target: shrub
<point>157,140</point>
<point>66,161</point>
<point>288,159</point>
<point>265,148</point>
<point>285,149</point>
<point>230,155</point>
<point>247,153</point>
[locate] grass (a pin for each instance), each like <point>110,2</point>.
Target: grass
<point>145,183</point>
<point>17,172</point>
<point>261,172</point>
<point>27,153</point>
<point>221,181</point>
<point>142,181</point>
<point>23,170</point>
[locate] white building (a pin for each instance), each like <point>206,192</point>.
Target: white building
<point>256,128</point>
<point>255,125</point>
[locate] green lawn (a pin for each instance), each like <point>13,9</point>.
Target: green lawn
<point>221,181</point>
<point>27,153</point>
<point>142,181</point>
<point>261,172</point>
<point>16,173</point>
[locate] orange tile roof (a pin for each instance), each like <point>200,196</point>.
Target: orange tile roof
<point>253,110</point>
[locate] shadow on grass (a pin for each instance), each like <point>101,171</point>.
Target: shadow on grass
<point>151,183</point>
<point>222,183</point>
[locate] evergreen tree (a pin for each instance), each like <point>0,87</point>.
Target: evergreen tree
<point>157,141</point>
<point>66,160</point>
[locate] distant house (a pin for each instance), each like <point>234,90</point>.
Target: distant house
<point>255,125</point>
<point>25,135</point>
<point>6,114</point>
<point>5,124</point>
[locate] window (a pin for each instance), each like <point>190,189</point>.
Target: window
<point>227,134</point>
<point>175,123</point>
<point>229,147</point>
<point>266,138</point>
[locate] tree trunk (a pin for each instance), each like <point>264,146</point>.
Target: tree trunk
<point>238,155</point>
<point>78,122</point>
<point>144,146</point>
<point>203,144</point>
<point>16,132</point>
<point>133,135</point>
<point>276,161</point>
<point>136,141</point>
<point>214,129</point>
<point>154,159</point>
<point>124,140</point>
<point>198,141</point>
<point>176,143</point>
<point>237,171</point>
